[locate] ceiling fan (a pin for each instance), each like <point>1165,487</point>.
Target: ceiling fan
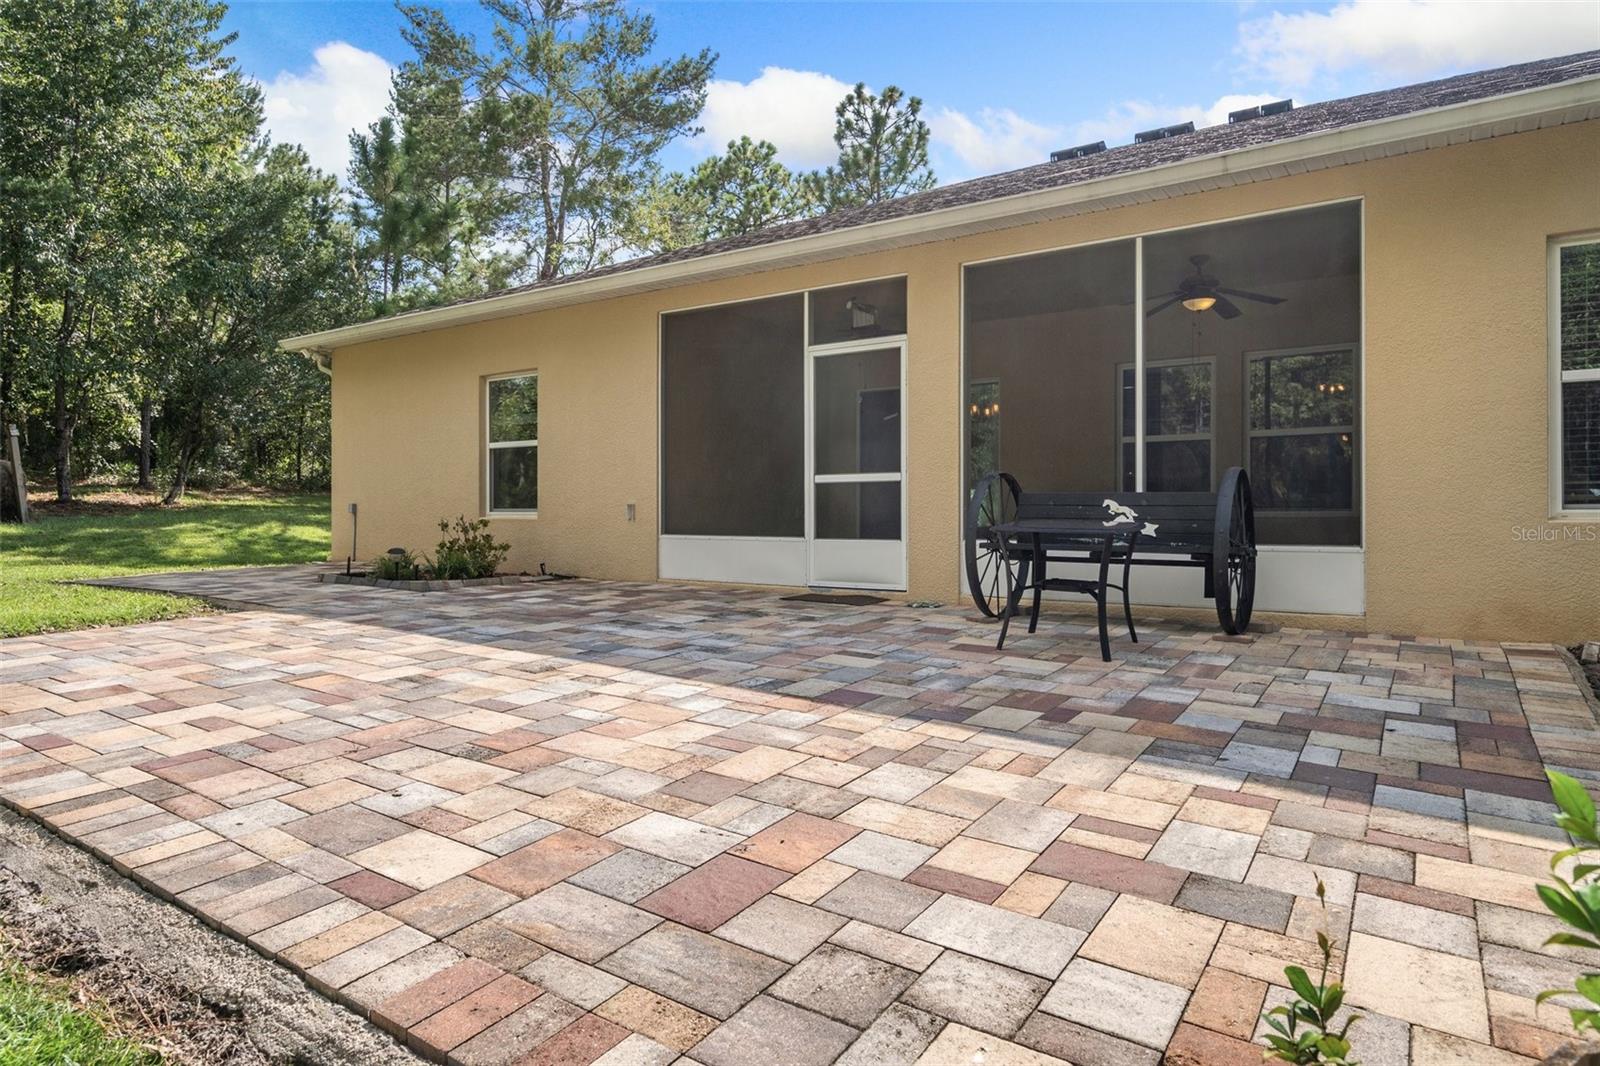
<point>1201,292</point>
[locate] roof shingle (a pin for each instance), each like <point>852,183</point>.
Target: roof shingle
<point>1210,141</point>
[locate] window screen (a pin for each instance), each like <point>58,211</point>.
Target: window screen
<point>1272,306</point>
<point>733,430</point>
<point>1048,332</point>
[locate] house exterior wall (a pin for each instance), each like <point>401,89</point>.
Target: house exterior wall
<point>1456,399</point>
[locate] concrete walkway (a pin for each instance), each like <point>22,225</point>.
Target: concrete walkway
<point>623,823</point>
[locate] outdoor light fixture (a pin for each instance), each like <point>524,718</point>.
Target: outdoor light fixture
<point>1200,303</point>
<point>862,315</point>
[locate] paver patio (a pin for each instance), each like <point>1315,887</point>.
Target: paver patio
<point>636,824</point>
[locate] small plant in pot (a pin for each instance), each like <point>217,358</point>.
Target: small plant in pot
<point>467,550</point>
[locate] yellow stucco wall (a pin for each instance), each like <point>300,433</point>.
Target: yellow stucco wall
<point>1456,396</point>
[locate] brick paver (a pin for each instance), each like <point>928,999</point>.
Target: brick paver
<point>600,822</point>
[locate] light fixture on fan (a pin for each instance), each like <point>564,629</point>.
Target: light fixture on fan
<point>1201,291</point>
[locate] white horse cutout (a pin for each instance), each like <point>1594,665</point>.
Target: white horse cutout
<point>1119,513</point>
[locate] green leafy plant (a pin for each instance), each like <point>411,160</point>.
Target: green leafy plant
<point>1303,1030</point>
<point>1576,901</point>
<point>468,550</point>
<point>396,564</point>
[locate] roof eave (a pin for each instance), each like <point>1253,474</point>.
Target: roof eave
<point>1572,101</point>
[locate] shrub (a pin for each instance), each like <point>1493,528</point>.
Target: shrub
<point>396,564</point>
<point>468,550</point>
<point>1302,1029</point>
<point>1576,902</point>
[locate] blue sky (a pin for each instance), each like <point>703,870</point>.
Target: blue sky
<point>1002,84</point>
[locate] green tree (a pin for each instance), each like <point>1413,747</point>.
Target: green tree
<point>883,150</point>
<point>390,218</point>
<point>742,190</point>
<point>456,173</point>
<point>267,256</point>
<point>427,194</point>
<point>577,111</point>
<point>103,101</point>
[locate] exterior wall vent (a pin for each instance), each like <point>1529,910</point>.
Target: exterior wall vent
<point>1245,114</point>
<point>1077,151</point>
<point>1163,133</point>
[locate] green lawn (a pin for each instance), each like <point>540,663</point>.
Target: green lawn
<point>122,537</point>
<point>41,1026</point>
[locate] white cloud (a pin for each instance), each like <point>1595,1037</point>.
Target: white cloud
<point>346,89</point>
<point>1413,38</point>
<point>791,108</point>
<point>998,139</point>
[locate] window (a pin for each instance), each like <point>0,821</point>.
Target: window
<point>1177,427</point>
<point>1576,342</point>
<point>983,430</point>
<point>1302,408</point>
<point>513,440</point>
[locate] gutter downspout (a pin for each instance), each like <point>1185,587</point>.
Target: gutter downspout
<point>322,357</point>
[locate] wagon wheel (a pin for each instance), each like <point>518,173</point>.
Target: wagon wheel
<point>1233,556</point>
<point>994,499</point>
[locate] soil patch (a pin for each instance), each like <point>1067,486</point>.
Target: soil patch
<point>103,501</point>
<point>197,997</point>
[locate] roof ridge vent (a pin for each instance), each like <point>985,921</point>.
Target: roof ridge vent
<point>1077,151</point>
<point>1163,133</point>
<point>1245,114</point>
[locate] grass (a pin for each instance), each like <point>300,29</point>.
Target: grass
<point>41,1026</point>
<point>110,533</point>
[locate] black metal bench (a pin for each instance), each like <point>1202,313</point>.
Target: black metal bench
<point>1213,532</point>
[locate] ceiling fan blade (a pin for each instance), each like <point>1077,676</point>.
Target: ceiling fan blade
<point>1226,308</point>
<point>1256,296</point>
<point>1161,307</point>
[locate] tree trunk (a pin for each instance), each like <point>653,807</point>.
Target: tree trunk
<point>180,474</point>
<point>299,449</point>
<point>65,422</point>
<point>11,345</point>
<point>146,410</point>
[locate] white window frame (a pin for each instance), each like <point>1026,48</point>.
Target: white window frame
<point>490,446</point>
<point>1354,428</point>
<point>1141,438</point>
<point>1559,379</point>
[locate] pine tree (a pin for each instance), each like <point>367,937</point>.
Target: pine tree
<point>883,150</point>
<point>575,109</point>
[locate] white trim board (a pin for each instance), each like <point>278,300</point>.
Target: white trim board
<point>1290,579</point>
<point>736,560</point>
